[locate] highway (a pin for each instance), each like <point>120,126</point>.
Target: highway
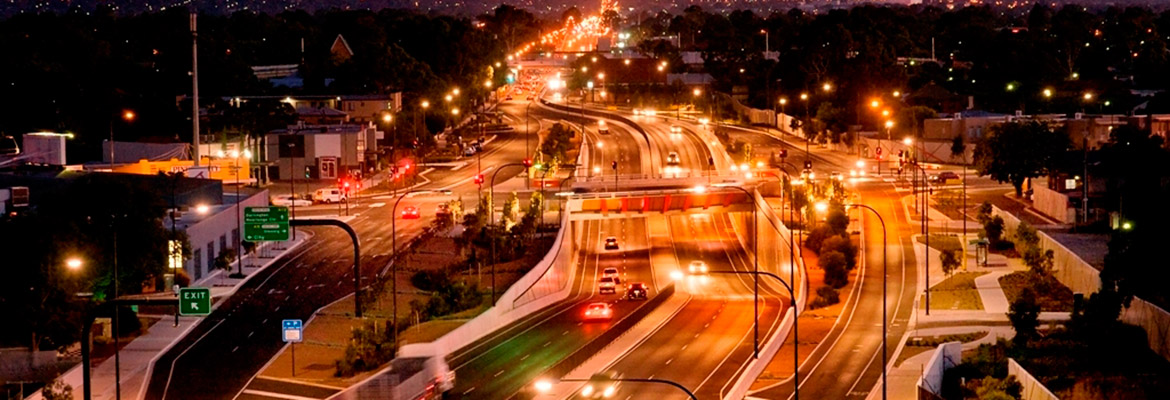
<point>706,344</point>
<point>505,362</point>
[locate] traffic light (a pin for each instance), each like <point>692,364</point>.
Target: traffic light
<point>808,164</point>
<point>783,153</point>
<point>478,179</point>
<point>308,172</point>
<point>527,162</point>
<point>613,165</point>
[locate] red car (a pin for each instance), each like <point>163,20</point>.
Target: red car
<point>598,311</point>
<point>410,213</point>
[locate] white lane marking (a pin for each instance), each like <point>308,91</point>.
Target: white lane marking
<point>468,391</point>
<point>171,373</point>
<point>261,393</point>
<point>498,373</point>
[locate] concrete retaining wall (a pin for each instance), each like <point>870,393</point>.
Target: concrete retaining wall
<point>1053,204</point>
<point>1032,388</point>
<point>535,290</point>
<point>1080,277</point>
<point>946,356</point>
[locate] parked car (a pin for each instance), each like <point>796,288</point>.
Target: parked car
<point>288,200</point>
<point>328,195</point>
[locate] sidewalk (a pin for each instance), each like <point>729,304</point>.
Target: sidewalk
<point>138,356</point>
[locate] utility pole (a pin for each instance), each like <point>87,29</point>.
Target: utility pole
<point>194,89</point>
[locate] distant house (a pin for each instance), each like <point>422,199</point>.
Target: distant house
<point>340,50</point>
<point>321,151</point>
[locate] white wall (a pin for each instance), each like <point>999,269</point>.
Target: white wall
<point>211,227</point>
<point>1032,388</point>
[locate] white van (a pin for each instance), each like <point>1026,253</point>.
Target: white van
<point>328,195</point>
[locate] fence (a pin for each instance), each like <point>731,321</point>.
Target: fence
<point>1031,389</point>
<point>946,356</point>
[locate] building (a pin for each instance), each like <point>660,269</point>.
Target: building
<point>321,151</point>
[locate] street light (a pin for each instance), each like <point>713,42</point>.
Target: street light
<point>235,155</point>
<point>544,386</point>
<point>73,263</point>
<point>885,316</point>
<point>755,261</point>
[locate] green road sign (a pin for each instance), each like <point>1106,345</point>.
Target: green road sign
<point>194,301</point>
<point>265,223</point>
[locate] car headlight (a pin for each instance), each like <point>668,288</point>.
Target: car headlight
<point>587,390</point>
<point>609,391</point>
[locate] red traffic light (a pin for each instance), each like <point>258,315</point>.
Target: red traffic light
<point>478,178</point>
<point>613,165</point>
<point>527,162</point>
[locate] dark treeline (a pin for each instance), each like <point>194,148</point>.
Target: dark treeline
<point>1003,58</point>
<point>75,72</point>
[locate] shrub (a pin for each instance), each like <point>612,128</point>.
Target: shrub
<point>1038,261</point>
<point>833,263</point>
<point>949,259</point>
<point>430,280</point>
<point>1024,315</point>
<point>1027,236</point>
<point>57,390</point>
<point>837,220</point>
<point>984,213</point>
<point>993,228</point>
<point>816,237</point>
<point>826,296</point>
<point>843,245</point>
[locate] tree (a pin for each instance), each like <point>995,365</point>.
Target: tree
<point>1019,150</point>
<point>949,259</point>
<point>1027,236</point>
<point>984,213</point>
<point>958,148</point>
<point>225,259</point>
<point>914,117</point>
<point>1039,261</point>
<point>1024,315</point>
<point>837,220</point>
<point>843,245</point>
<point>833,263</point>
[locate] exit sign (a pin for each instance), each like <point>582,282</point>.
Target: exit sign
<point>194,301</point>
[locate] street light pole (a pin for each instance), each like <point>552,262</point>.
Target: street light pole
<point>885,317</point>
<point>394,258</point>
<point>756,268</point>
<point>492,219</point>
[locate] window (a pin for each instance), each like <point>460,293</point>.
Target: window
<point>222,243</point>
<point>210,256</point>
<point>197,264</point>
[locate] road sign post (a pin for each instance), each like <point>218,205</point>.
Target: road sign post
<point>194,301</point>
<point>292,332</point>
<point>266,224</point>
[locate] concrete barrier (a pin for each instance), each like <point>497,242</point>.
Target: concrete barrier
<point>542,286</point>
<point>1031,389</point>
<point>946,356</point>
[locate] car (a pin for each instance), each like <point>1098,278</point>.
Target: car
<point>442,209</point>
<point>469,151</point>
<point>835,176</point>
<point>610,272</point>
<point>600,386</point>
<point>288,200</point>
<point>410,212</point>
<point>508,97</point>
<point>607,285</point>
<point>611,243</point>
<point>328,195</point>
<point>698,267</point>
<point>602,128</point>
<point>675,132</point>
<point>945,177</point>
<point>596,311</point>
<point>636,291</point>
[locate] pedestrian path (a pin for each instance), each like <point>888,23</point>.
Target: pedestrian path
<point>137,357</point>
